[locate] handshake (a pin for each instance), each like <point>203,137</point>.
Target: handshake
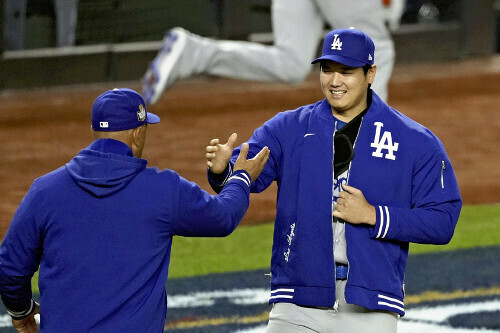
<point>218,156</point>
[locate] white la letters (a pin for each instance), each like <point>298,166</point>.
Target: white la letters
<point>337,44</point>
<point>384,143</point>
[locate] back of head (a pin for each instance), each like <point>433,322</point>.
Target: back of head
<point>120,110</point>
<point>116,114</point>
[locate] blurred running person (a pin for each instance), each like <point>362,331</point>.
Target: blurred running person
<point>297,28</point>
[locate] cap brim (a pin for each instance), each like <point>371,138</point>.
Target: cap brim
<point>341,60</point>
<point>152,118</point>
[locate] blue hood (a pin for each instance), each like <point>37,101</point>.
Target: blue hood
<point>105,167</point>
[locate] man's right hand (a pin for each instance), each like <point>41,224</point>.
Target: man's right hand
<point>218,155</point>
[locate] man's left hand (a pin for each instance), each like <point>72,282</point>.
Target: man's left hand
<point>352,207</point>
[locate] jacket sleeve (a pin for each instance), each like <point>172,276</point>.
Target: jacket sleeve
<point>436,204</point>
<point>201,214</point>
<point>218,181</point>
<point>20,255</point>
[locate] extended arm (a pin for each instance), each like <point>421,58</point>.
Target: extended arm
<point>202,214</point>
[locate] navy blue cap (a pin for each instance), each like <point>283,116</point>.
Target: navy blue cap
<point>119,110</point>
<point>348,47</point>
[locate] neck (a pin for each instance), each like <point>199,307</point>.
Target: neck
<point>347,116</point>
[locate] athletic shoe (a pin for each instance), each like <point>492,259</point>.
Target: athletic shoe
<point>159,76</point>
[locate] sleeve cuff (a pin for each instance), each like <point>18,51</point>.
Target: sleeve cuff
<point>383,222</point>
<point>18,315</point>
<point>221,179</point>
<point>241,175</point>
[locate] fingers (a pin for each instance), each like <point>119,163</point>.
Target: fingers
<point>31,325</point>
<point>212,149</point>
<point>349,189</point>
<point>264,151</point>
<point>243,151</point>
<point>231,142</point>
<point>262,157</point>
<point>346,188</point>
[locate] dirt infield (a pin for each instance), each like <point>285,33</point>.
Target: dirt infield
<point>459,101</point>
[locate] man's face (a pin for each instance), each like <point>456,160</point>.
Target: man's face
<point>345,88</point>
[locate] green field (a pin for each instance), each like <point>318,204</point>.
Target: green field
<point>249,247</point>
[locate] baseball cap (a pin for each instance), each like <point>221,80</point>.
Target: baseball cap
<point>350,47</point>
<point>119,110</point>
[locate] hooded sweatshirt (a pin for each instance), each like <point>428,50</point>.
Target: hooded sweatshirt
<point>100,230</point>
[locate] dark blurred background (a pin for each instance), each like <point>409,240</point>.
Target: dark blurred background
<point>109,34</point>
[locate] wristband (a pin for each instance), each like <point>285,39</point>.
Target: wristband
<point>18,315</point>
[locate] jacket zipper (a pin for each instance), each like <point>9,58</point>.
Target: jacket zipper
<point>349,176</point>
<point>443,166</point>
<point>345,229</point>
<point>336,304</point>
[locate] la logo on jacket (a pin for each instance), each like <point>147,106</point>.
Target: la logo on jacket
<point>384,142</point>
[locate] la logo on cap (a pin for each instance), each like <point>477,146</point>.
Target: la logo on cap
<point>337,44</point>
<point>141,114</point>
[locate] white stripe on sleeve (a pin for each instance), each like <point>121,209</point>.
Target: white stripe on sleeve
<point>244,179</point>
<point>388,218</point>
<point>381,221</point>
<point>229,173</point>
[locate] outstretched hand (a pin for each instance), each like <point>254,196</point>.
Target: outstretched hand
<point>353,207</point>
<point>253,166</point>
<point>218,155</point>
<point>28,324</point>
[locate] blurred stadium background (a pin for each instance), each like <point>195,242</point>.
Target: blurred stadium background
<point>112,33</point>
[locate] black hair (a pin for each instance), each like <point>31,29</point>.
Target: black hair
<point>366,68</point>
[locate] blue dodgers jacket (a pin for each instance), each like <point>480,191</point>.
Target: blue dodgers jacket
<point>401,168</point>
<point>101,230</point>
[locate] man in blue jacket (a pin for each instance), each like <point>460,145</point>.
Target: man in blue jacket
<point>357,182</point>
<point>100,229</point>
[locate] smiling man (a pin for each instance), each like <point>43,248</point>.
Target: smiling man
<point>357,182</point>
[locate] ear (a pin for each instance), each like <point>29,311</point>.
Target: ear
<point>136,135</point>
<point>371,74</point>
<point>135,142</point>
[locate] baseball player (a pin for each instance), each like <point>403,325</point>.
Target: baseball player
<point>297,27</point>
<point>100,228</point>
<point>357,181</point>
